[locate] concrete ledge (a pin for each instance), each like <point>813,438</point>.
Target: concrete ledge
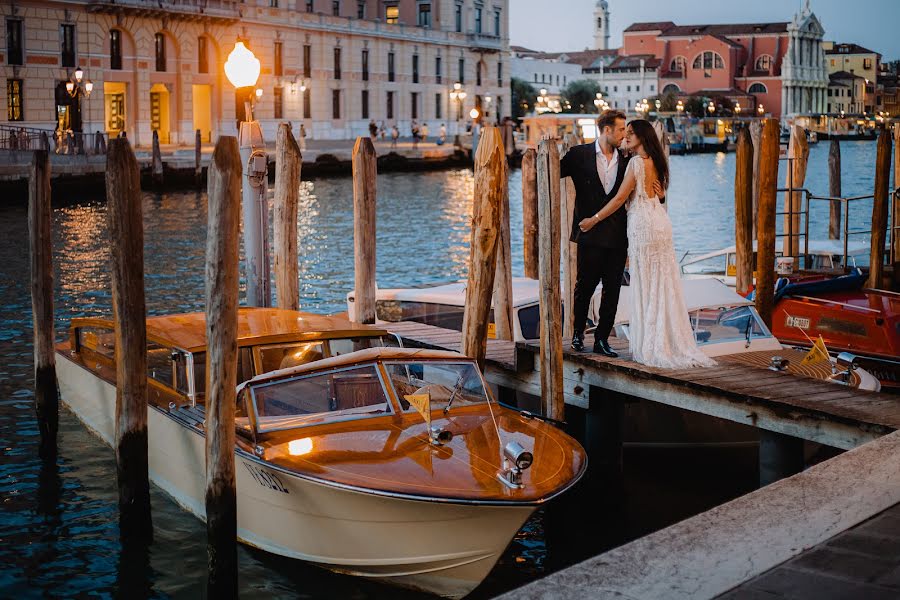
<point>708,555</point>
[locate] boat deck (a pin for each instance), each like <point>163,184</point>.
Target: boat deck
<point>782,402</point>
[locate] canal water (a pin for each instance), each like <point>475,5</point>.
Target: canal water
<point>59,524</point>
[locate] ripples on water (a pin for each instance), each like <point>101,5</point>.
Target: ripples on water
<point>59,526</point>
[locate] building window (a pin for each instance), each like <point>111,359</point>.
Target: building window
<point>458,15</point>
<point>307,103</point>
<point>500,74</point>
<point>671,88</point>
<point>365,65</point>
<point>307,61</point>
<point>637,88</point>
<point>652,87</point>
<point>709,60</point>
<point>497,23</point>
<point>415,68</point>
<point>390,105</point>
<point>14,42</point>
<point>115,50</point>
<point>160,52</point>
<point>557,80</point>
<point>424,19</point>
<point>336,8</point>
<point>337,63</point>
<point>360,10</point>
<point>478,73</point>
<point>678,64</point>
<point>628,88</point>
<point>67,43</point>
<point>391,73</point>
<point>615,88</point>
<point>437,70</point>
<point>278,67</point>
<point>477,20</point>
<point>832,62</point>
<point>867,63</point>
<point>335,104</point>
<point>278,95</point>
<point>438,106</point>
<point>757,88</point>
<point>14,109</point>
<point>462,70</point>
<point>499,107</point>
<point>391,13</point>
<point>309,5</point>
<point>763,63</point>
<point>365,104</point>
<point>414,109</point>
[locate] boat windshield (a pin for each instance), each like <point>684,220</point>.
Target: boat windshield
<point>442,382</point>
<point>712,325</point>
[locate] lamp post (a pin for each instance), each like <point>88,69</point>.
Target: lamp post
<point>78,87</point>
<point>457,94</point>
<point>542,101</point>
<point>658,105</point>
<point>679,107</point>
<point>711,107</point>
<point>598,102</point>
<point>760,110</point>
<point>242,69</point>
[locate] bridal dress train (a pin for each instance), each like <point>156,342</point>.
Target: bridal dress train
<point>660,328</point>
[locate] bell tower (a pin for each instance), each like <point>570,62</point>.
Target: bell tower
<point>601,25</point>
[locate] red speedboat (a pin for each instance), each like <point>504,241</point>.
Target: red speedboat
<point>850,318</point>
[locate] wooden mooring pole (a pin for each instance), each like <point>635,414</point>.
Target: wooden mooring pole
<point>364,229</point>
<point>755,138</point>
<point>568,249</point>
<point>503,293</point>
<point>880,209</point>
<point>743,212</point>
<point>765,228</point>
<point>895,212</point>
<point>126,233</point>
<point>551,358</point>
<point>198,158</point>
<point>795,176</point>
<point>224,191</point>
<point>157,166</point>
<point>529,213</point>
<point>489,173</point>
<point>834,190</point>
<point>287,196</point>
<point>46,393</point>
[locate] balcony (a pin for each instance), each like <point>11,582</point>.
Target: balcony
<point>483,42</point>
<point>192,10</point>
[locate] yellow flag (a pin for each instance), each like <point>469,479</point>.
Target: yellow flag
<point>422,403</point>
<point>817,353</point>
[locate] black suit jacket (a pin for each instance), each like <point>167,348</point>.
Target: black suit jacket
<point>580,163</point>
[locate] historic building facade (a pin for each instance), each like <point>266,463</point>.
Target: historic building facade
<point>330,64</point>
<point>853,59</point>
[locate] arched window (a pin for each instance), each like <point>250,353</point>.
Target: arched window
<point>709,60</point>
<point>678,64</point>
<point>758,88</point>
<point>763,63</point>
<point>671,88</point>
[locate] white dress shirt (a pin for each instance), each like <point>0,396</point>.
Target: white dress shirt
<point>606,169</point>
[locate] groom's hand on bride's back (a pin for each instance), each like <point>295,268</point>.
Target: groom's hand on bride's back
<point>659,192</point>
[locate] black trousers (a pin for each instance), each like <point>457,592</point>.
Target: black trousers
<point>596,264</point>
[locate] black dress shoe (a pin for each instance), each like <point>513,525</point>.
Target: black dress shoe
<point>602,347</point>
<point>578,341</point>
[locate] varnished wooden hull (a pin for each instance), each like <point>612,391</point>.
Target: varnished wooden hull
<point>442,547</point>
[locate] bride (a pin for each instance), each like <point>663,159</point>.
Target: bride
<point>660,329</point>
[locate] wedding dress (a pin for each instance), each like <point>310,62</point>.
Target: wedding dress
<point>660,328</point>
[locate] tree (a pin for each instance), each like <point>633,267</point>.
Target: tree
<point>695,106</point>
<point>523,97</point>
<point>579,96</point>
<point>668,102</point>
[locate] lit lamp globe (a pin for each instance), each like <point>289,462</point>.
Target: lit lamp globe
<point>474,113</point>
<point>242,67</point>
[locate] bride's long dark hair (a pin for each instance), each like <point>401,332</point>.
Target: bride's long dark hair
<point>647,136</point>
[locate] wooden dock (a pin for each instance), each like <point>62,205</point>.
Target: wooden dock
<point>769,400</point>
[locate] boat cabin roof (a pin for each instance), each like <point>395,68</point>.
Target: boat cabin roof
<point>816,248</point>
<point>525,291</point>
<point>255,325</point>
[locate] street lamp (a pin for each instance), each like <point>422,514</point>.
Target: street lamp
<point>737,108</point>
<point>242,70</point>
<point>457,94</point>
<point>543,100</point>
<point>78,87</point>
<point>487,107</point>
<point>658,105</point>
<point>711,108</point>
<point>680,108</point>
<point>598,101</point>
<point>760,110</point>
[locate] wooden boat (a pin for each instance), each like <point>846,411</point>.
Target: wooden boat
<point>335,465</point>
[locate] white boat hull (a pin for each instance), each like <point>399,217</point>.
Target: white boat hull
<point>440,547</point>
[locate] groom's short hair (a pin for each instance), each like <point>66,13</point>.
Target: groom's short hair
<point>608,118</point>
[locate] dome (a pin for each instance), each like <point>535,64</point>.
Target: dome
<point>602,4</point>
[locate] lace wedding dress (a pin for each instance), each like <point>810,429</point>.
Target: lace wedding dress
<point>660,329</point>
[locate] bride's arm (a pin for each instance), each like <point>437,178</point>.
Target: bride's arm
<point>613,205</point>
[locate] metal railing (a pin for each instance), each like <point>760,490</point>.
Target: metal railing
<point>14,138</point>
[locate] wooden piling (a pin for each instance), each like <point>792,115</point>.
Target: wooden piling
<point>287,196</point>
<point>795,176</point>
<point>529,213</point>
<point>364,196</point>
<point>765,228</point>
<point>880,209</point>
<point>46,393</point>
<point>489,173</point>
<point>743,212</point>
<point>568,249</point>
<point>834,190</point>
<point>198,158</point>
<point>503,293</point>
<point>126,234</point>
<point>157,169</point>
<point>755,137</point>
<point>780,456</point>
<point>224,191</point>
<point>551,357</point>
<point>895,211</point>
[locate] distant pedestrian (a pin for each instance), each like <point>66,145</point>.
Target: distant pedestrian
<point>381,131</point>
<point>395,134</point>
<point>443,135</point>
<point>424,132</point>
<point>373,129</point>
<point>415,135</point>
<point>301,139</point>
